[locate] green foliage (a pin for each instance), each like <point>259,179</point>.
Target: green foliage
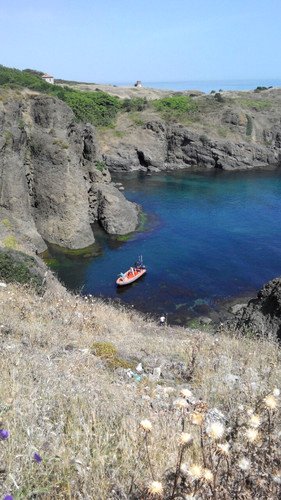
<point>136,118</point>
<point>100,165</point>
<point>104,350</point>
<point>108,352</point>
<point>249,126</point>
<point>97,108</point>
<point>7,223</point>
<point>10,242</point>
<point>175,107</point>
<point>135,104</point>
<point>219,97</point>
<point>61,144</point>
<point>261,88</point>
<point>17,267</point>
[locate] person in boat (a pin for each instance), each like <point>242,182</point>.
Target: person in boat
<point>122,275</point>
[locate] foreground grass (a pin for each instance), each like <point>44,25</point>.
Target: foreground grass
<point>63,397</point>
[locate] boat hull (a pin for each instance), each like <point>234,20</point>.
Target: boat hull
<point>129,278</point>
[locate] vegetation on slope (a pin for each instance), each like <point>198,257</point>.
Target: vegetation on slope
<point>97,108</point>
<point>202,418</point>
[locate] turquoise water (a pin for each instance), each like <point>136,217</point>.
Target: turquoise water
<point>209,85</point>
<point>209,237</point>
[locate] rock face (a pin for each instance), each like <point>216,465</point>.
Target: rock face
<point>262,316</point>
<point>48,175</point>
<point>173,146</point>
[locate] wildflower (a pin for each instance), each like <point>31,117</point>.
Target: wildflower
<point>155,488</point>
<point>37,458</point>
<point>186,439</point>
<point>215,430</point>
<point>255,421</point>
<point>8,497</point>
<point>180,403</point>
<point>146,425</point>
<point>223,448</point>
<point>208,475</point>
<point>184,468</point>
<point>186,393</point>
<point>244,463</point>
<point>195,471</point>
<point>197,418</point>
<point>4,434</point>
<point>270,402</point>
<point>276,392</point>
<point>252,435</point>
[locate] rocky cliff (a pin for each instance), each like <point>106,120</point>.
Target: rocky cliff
<point>241,132</point>
<point>49,181</point>
<point>262,315</point>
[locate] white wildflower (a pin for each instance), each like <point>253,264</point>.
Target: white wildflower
<point>244,464</point>
<point>146,425</point>
<point>276,392</point>
<point>155,488</point>
<point>180,403</point>
<point>223,448</point>
<point>186,393</point>
<point>215,430</point>
<point>252,435</point>
<point>270,402</point>
<point>255,421</point>
<point>195,471</point>
<point>186,439</point>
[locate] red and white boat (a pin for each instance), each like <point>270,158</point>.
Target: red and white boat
<point>133,274</point>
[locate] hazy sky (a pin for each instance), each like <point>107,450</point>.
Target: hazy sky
<point>149,40</point>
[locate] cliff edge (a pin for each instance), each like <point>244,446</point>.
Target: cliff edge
<point>51,182</point>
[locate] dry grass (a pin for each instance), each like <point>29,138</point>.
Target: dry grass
<point>63,400</point>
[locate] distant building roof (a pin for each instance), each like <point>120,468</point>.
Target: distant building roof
<point>47,76</point>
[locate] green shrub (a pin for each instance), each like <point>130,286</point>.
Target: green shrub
<point>176,106</point>
<point>17,267</point>
<point>249,126</point>
<point>100,165</point>
<point>97,108</point>
<point>104,350</point>
<point>219,97</point>
<point>10,242</point>
<point>108,352</point>
<point>134,104</point>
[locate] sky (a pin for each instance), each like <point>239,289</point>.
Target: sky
<point>149,40</point>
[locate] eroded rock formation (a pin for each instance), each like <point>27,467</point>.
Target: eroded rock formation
<point>49,179</point>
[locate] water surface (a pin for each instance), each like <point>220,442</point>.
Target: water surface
<point>208,237</point>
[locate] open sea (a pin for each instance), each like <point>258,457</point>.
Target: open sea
<point>208,237</point>
<point>208,85</point>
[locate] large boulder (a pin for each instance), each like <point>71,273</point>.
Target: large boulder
<point>116,214</point>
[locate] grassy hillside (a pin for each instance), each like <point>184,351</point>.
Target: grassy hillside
<point>78,421</point>
<point>97,108</point>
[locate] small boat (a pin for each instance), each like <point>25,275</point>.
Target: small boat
<point>133,274</point>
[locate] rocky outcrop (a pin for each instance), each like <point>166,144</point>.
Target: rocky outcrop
<point>262,316</point>
<point>48,174</point>
<point>173,146</point>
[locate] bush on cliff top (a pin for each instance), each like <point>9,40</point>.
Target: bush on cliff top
<point>175,106</point>
<point>17,267</point>
<point>97,108</point>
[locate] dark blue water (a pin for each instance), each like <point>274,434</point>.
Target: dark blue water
<point>209,237</point>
